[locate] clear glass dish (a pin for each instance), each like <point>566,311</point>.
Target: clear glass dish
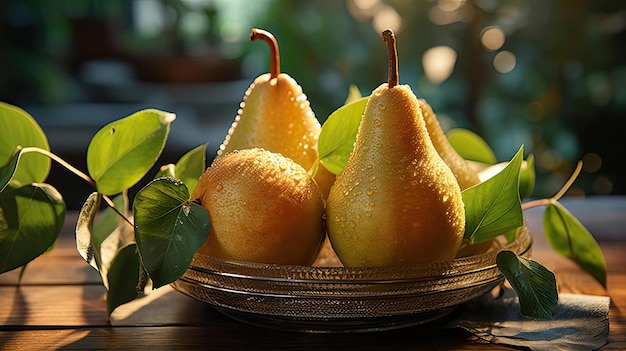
<point>326,297</point>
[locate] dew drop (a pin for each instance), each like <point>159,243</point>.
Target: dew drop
<point>369,166</point>
<point>353,224</point>
<point>372,204</point>
<point>381,107</point>
<point>369,192</point>
<point>372,178</point>
<point>234,182</point>
<point>377,122</point>
<point>219,188</point>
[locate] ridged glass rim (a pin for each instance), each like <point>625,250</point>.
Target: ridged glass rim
<point>293,274</point>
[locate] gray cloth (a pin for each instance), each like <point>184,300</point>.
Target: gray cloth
<point>580,322</point>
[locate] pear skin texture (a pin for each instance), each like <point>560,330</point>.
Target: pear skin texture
<point>396,202</point>
<point>464,173</point>
<point>263,207</point>
<point>275,115</point>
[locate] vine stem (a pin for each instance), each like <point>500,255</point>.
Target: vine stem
<point>62,162</point>
<point>558,195</point>
<point>392,64</point>
<point>79,173</point>
<point>267,37</point>
<point>112,206</point>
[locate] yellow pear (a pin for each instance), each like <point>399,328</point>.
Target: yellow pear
<point>463,171</point>
<point>396,202</point>
<point>264,208</point>
<point>275,114</point>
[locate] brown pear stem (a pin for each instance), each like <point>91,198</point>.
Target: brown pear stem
<point>392,74</point>
<point>271,41</point>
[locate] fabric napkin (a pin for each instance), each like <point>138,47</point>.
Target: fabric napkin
<point>580,322</point>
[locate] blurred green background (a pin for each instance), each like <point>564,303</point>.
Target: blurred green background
<point>547,74</point>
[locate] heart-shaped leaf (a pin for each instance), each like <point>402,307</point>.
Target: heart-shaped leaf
<point>18,128</point>
<point>568,237</point>
<point>338,135</point>
<point>31,218</point>
<point>493,206</point>
<point>168,229</point>
<point>534,284</point>
<point>123,151</point>
<point>123,276</point>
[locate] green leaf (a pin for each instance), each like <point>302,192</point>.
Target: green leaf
<point>111,232</point>
<point>123,276</point>
<point>353,94</point>
<point>84,224</point>
<point>7,171</point>
<point>534,284</point>
<point>527,174</point>
<point>123,151</point>
<point>568,237</point>
<point>527,178</point>
<point>31,218</point>
<point>168,229</point>
<point>18,128</point>
<point>98,241</point>
<point>338,135</point>
<point>471,146</point>
<point>188,168</point>
<point>493,206</point>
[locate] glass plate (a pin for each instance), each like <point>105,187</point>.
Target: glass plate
<point>326,297</point>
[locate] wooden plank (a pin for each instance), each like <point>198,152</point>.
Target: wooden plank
<point>81,306</point>
<point>241,337</point>
<point>54,270</point>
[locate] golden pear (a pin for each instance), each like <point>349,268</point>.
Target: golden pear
<point>275,114</point>
<point>264,208</point>
<point>396,202</point>
<point>462,170</point>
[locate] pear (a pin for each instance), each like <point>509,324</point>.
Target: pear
<point>463,171</point>
<point>396,202</point>
<point>264,208</point>
<point>275,114</point>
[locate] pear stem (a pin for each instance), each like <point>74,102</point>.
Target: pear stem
<point>392,74</point>
<point>267,37</point>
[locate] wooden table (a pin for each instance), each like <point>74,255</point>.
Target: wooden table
<point>60,304</point>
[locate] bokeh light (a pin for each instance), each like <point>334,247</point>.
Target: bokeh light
<point>492,38</point>
<point>439,63</point>
<point>385,18</point>
<point>504,61</point>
